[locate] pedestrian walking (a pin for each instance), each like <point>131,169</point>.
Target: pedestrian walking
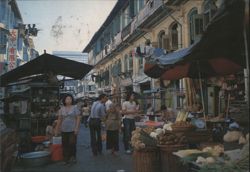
<point>108,103</point>
<point>68,122</point>
<point>85,114</point>
<point>130,111</point>
<point>113,125</point>
<point>97,113</point>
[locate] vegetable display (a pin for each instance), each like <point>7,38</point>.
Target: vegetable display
<point>141,139</point>
<point>232,136</point>
<point>168,138</point>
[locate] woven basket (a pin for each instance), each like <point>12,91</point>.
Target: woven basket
<point>183,128</point>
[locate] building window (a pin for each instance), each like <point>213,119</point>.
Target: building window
<point>125,69</point>
<point>106,49</point>
<point>137,6</point>
<point>174,36</point>
<point>140,62</point>
<point>118,24</point>
<point>161,38</point>
<point>191,16</point>
<point>130,67</point>
<point>101,44</point>
<point>119,65</point>
<point>209,9</point>
<point>125,17</point>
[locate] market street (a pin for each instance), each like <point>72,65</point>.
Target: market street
<point>162,84</point>
<point>86,162</point>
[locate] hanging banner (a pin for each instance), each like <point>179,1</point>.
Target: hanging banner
<point>12,49</point>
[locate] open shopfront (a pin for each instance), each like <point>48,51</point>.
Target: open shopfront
<point>215,142</point>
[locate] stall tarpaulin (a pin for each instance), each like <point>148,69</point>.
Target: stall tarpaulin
<point>45,64</point>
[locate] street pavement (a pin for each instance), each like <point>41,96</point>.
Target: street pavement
<point>86,162</point>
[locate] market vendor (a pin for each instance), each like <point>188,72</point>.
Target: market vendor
<point>50,130</point>
<point>196,110</point>
<point>166,114</point>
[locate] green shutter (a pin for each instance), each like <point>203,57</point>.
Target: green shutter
<point>132,8</point>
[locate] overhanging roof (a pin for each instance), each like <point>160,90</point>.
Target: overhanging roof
<point>44,64</point>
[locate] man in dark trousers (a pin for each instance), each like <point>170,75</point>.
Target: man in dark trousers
<point>98,111</point>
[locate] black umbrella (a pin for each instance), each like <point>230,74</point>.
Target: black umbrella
<point>45,64</point>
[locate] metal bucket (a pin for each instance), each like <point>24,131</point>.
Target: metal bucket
<point>46,144</point>
<point>38,158</point>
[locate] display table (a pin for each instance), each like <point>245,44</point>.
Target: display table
<point>149,124</point>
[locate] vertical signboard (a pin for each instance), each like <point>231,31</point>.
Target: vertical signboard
<point>12,49</point>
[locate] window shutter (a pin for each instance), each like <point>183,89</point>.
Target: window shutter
<point>198,26</point>
<point>166,42</point>
<point>119,70</point>
<point>131,8</point>
<point>155,44</point>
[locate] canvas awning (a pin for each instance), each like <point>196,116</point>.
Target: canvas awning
<point>222,39</point>
<point>44,64</point>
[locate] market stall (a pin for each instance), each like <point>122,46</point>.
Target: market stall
<point>214,55</point>
<point>32,100</point>
<point>160,141</point>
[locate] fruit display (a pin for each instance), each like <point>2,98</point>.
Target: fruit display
<point>148,130</point>
<point>168,138</point>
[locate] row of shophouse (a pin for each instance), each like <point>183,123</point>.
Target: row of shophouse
<point>131,28</point>
<point>16,38</point>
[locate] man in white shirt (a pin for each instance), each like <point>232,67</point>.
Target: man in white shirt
<point>130,111</point>
<point>107,104</point>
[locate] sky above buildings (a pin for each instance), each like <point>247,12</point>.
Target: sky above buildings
<point>65,25</point>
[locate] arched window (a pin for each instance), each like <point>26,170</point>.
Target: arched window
<point>174,36</point>
<point>191,20</point>
<point>161,39</point>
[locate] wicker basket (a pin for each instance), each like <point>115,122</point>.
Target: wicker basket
<point>147,160</point>
<point>183,128</point>
<point>170,162</point>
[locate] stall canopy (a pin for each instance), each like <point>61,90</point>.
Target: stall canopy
<point>219,52</point>
<point>44,64</point>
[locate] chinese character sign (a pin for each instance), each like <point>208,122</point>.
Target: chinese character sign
<point>12,49</point>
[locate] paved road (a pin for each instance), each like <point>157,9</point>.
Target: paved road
<point>86,162</point>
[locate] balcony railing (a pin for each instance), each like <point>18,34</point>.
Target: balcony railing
<point>126,31</point>
<point>148,10</point>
